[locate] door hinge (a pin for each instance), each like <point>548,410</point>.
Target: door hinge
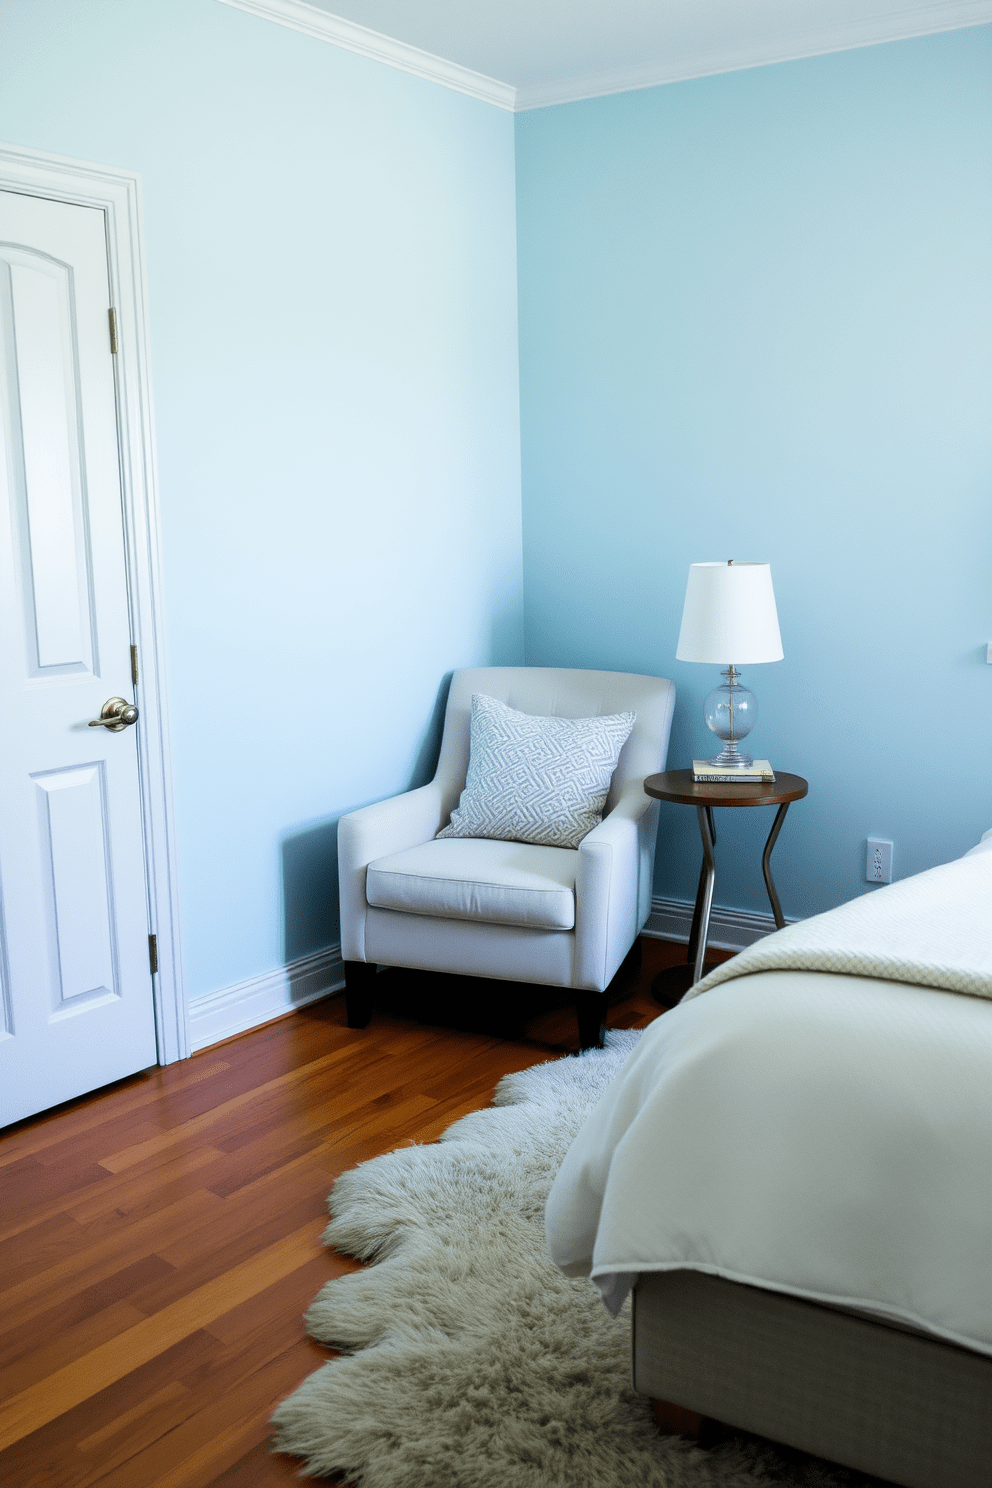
<point>134,665</point>
<point>153,953</point>
<point>112,317</point>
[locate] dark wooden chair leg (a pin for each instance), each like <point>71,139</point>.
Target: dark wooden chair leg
<point>359,983</point>
<point>591,1010</point>
<point>591,1007</point>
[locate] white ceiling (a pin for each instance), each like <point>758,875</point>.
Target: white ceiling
<point>549,51</point>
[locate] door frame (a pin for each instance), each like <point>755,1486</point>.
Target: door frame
<point>117,193</point>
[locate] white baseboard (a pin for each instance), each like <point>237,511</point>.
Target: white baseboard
<point>232,1010</point>
<point>730,929</point>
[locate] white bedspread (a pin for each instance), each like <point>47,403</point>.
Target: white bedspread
<point>828,1135</point>
<point>931,930</point>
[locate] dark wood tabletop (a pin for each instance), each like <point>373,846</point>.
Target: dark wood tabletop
<point>678,785</point>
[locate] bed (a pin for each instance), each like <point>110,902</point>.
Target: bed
<point>793,1174</point>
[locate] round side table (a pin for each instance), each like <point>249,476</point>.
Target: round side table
<point>679,786</point>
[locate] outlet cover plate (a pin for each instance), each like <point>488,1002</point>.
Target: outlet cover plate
<point>878,861</point>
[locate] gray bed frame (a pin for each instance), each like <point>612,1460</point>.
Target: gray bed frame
<point>881,1398</point>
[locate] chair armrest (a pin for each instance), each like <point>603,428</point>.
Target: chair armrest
<point>371,832</point>
<point>613,887</point>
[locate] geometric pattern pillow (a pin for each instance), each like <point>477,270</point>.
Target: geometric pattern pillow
<point>533,779</point>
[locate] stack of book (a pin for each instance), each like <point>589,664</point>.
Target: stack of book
<point>759,772</point>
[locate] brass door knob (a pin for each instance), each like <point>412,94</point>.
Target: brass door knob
<point>115,715</point>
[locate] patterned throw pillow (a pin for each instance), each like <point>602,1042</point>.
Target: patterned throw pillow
<point>531,779</point>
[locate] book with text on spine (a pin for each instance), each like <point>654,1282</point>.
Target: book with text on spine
<point>758,773</point>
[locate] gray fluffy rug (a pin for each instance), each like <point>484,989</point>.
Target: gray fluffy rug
<point>473,1363</point>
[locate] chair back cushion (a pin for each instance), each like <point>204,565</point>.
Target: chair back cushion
<point>558,692</point>
<point>536,779</point>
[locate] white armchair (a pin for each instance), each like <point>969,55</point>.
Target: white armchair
<point>561,917</point>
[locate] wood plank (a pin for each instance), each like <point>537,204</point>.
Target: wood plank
<point>99,1262</point>
<point>72,1384</point>
<point>434,1130</point>
<point>29,1184</point>
<point>388,1120</point>
<point>162,1178</point>
<point>224,1252</point>
<point>128,1420</point>
<point>115,1195</point>
<point>50,1455</point>
<point>136,1152</point>
<point>288,1298</point>
<point>271,1194</point>
<point>38,1244</point>
<point>193,1454</point>
<point>216,1382</point>
<point>58,1321</point>
<point>260,1467</point>
<point>150,1088</point>
<point>70,1344</point>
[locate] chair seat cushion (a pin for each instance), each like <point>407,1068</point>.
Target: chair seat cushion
<point>501,883</point>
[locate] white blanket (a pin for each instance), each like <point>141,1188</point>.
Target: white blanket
<point>812,1131</point>
<point>932,930</point>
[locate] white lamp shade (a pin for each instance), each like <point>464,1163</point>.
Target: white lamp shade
<point>729,615</point>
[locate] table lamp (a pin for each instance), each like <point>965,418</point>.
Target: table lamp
<point>729,618</point>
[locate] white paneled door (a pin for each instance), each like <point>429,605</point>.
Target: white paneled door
<point>76,1010</point>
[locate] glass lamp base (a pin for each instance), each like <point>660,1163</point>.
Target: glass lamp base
<point>730,757</point>
<point>731,711</point>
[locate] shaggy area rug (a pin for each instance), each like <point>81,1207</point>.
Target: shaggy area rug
<point>474,1362</point>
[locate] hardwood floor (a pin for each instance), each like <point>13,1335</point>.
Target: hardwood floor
<point>160,1240</point>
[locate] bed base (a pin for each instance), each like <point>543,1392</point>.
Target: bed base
<point>883,1399</point>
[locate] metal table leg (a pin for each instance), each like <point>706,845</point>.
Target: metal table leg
<point>766,865</point>
<point>671,984</point>
<point>697,909</point>
<point>707,879</point>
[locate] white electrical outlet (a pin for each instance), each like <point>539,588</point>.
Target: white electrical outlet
<point>878,864</point>
<point>988,653</point>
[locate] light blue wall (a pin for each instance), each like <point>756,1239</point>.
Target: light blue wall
<point>756,322</point>
<point>331,274</point>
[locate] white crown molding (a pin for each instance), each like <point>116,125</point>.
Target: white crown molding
<point>730,929</point>
<point>897,25</point>
<point>232,1010</point>
<point>313,21</point>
